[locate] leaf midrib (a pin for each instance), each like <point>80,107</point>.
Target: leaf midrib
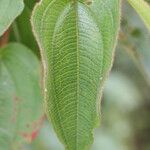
<point>78,70</point>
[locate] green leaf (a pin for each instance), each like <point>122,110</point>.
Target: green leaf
<point>143,9</point>
<point>77,39</point>
<point>30,3</point>
<point>9,10</point>
<point>21,111</point>
<point>22,31</point>
<point>21,28</point>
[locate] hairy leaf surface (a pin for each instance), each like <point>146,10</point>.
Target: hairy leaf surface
<point>9,10</point>
<point>20,97</point>
<point>77,39</point>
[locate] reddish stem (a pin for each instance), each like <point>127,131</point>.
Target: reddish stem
<point>4,38</point>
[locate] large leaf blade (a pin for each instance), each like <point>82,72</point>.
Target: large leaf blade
<point>9,10</point>
<point>74,42</point>
<point>20,97</point>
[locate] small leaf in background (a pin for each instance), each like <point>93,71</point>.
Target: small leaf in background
<point>21,113</point>
<point>77,39</point>
<point>9,10</point>
<point>21,30</point>
<point>135,40</point>
<point>143,9</point>
<point>30,3</point>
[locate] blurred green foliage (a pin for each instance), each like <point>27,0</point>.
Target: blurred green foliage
<point>125,104</point>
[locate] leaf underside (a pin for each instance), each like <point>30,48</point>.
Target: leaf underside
<point>9,10</point>
<point>20,97</point>
<point>76,39</point>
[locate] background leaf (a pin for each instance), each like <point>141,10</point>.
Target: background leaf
<point>143,9</point>
<point>21,111</point>
<point>30,3</point>
<point>9,10</point>
<point>21,30</point>
<point>77,41</point>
